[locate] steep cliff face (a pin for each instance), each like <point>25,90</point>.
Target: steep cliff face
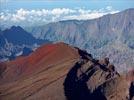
<point>59,72</point>
<point>112,26</point>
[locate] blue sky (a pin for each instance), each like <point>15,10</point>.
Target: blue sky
<point>50,4</point>
<point>40,12</point>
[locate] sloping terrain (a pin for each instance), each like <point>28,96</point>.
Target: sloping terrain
<point>25,76</point>
<point>59,72</point>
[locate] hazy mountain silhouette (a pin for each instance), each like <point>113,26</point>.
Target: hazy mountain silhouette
<point>13,40</point>
<point>90,33</point>
<point>18,36</point>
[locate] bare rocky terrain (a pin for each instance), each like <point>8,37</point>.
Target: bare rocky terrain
<point>62,72</point>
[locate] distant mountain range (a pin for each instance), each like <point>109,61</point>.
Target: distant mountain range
<point>16,41</point>
<point>111,35</point>
<point>109,27</point>
<point>108,36</point>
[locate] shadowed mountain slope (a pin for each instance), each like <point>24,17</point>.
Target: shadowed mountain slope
<point>59,72</point>
<point>15,40</point>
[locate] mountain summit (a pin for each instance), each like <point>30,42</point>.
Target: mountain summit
<point>59,72</point>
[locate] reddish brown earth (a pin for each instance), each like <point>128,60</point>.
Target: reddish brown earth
<point>45,75</point>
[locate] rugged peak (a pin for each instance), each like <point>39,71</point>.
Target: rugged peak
<point>14,27</point>
<point>96,80</point>
<point>59,72</point>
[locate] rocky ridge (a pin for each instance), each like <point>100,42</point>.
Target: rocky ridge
<point>59,72</point>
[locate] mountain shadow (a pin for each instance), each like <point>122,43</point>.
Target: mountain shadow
<point>2,69</point>
<point>131,91</point>
<point>75,88</point>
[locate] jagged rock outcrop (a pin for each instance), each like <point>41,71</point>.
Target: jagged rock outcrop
<point>59,72</point>
<point>96,80</point>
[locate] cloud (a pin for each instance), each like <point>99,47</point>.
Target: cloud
<point>109,7</point>
<point>25,17</point>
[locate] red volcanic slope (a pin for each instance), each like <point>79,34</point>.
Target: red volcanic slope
<point>42,59</point>
<point>130,75</point>
<point>35,74</point>
<point>40,76</point>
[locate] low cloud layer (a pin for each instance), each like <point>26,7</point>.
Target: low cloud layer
<point>25,17</point>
